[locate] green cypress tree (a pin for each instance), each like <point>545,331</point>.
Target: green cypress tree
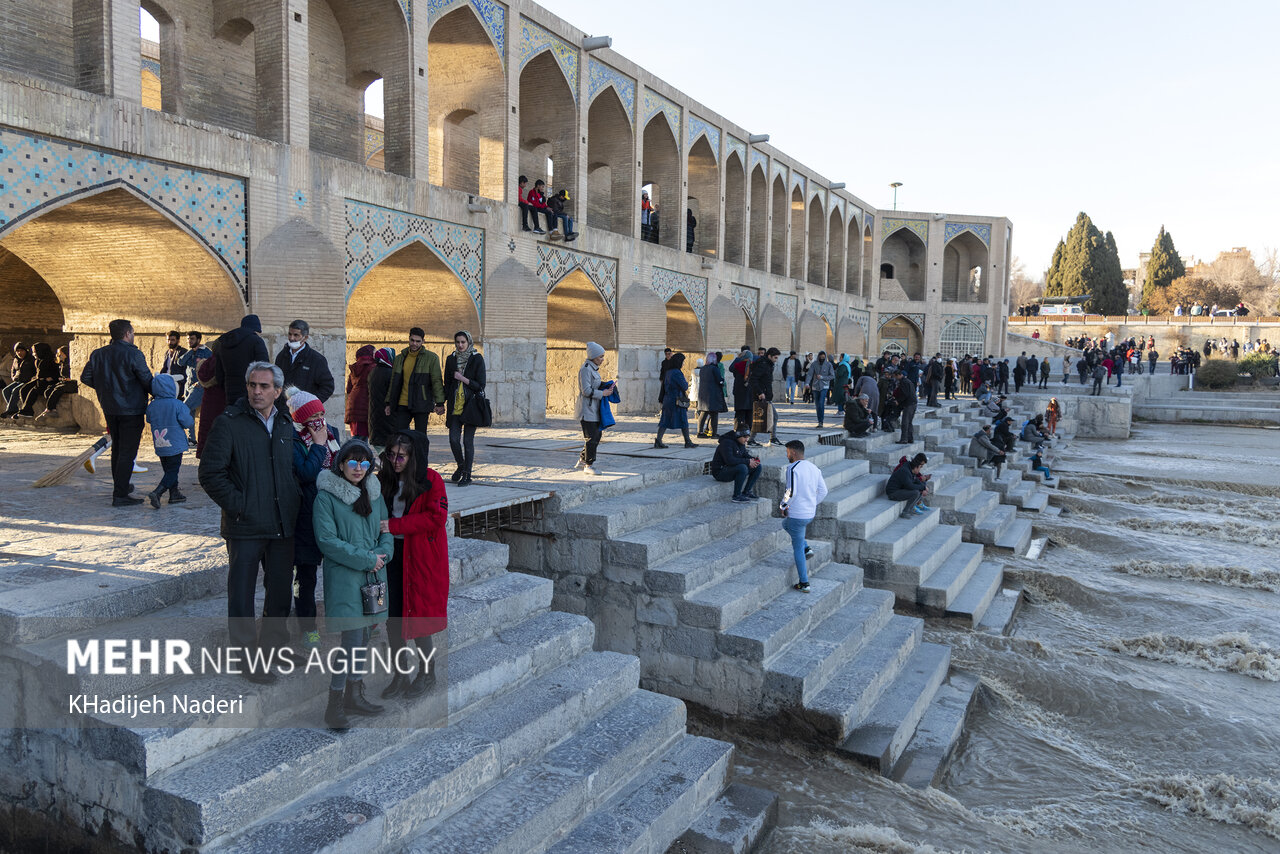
<point>1086,263</point>
<point>1053,278</point>
<point>1110,296</point>
<point>1162,268</point>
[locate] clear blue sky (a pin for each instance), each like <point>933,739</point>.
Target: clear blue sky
<point>1138,112</point>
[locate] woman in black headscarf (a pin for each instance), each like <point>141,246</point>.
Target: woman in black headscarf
<point>464,377</point>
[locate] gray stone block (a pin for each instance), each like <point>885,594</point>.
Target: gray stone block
<point>882,736</point>
<point>734,824</point>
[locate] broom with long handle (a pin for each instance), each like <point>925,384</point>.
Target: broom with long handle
<point>63,472</point>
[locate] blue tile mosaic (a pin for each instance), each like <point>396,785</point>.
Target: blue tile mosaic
<point>149,64</point>
<point>601,76</point>
<point>955,229</point>
<point>860,317</point>
<point>697,127</point>
<point>779,171</point>
<point>916,319</point>
<point>747,299</point>
<point>653,103</point>
<point>759,158</point>
<point>493,17</point>
<point>789,304</point>
<point>556,262</point>
<point>300,199</point>
<point>374,232</point>
<point>827,311</point>
<point>919,227</point>
<point>37,172</point>
<point>535,39</point>
<point>667,283</point>
<point>735,145</point>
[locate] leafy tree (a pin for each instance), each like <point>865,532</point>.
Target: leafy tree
<point>1086,263</point>
<point>1162,268</point>
<point>1193,289</point>
<point>1053,276</point>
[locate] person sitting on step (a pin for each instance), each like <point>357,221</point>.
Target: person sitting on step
<point>733,462</point>
<point>857,417</point>
<point>908,483</point>
<point>985,451</point>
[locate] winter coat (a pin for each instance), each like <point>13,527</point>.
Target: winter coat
<point>589,394</point>
<point>820,375</point>
<point>212,403</point>
<point>357,406</point>
<point>120,376</point>
<point>22,370</point>
<point>729,452</point>
<point>188,361</point>
<point>46,363</point>
<point>476,380</point>
<point>170,419</point>
<point>236,350</point>
<point>381,425</point>
<point>249,474</point>
<point>710,390</point>
<point>425,528</point>
<point>308,462</point>
<point>674,417</point>
<point>857,418</point>
<point>740,368</point>
<point>902,478</point>
<point>982,448</point>
<point>426,388</point>
<point>308,371</point>
<point>867,385</point>
<point>760,379</point>
<point>905,393</point>
<point>350,544</point>
<point>836,398</point>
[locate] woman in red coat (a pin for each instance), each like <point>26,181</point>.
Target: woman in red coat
<point>357,414</point>
<point>418,574</point>
<point>212,403</point>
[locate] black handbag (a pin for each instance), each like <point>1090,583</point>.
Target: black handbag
<point>373,596</point>
<point>477,411</point>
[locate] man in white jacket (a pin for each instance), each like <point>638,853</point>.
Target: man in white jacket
<point>804,491</point>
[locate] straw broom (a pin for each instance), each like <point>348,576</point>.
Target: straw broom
<point>63,472</point>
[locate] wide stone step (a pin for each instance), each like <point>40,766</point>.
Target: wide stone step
<point>995,522</point>
<point>857,685</point>
<point>852,495</point>
<point>215,793</point>
<point>882,736</point>
<point>905,575</point>
<point>939,590</point>
<point>613,517</point>
<point>980,589</point>
<point>1015,538</point>
<point>480,609</point>
<point>805,666</point>
<point>1036,501</point>
<point>871,442</point>
<point>837,475</point>
<point>736,823</point>
<point>720,605</point>
<point>432,773</point>
<point>956,493</point>
<point>670,796</point>
<point>935,739</point>
<point>866,521</point>
<point>972,512</point>
<point>533,807</point>
<point>1019,494</point>
<point>1000,614</point>
<point>672,536</point>
<point>475,560</point>
<point>762,633</point>
<point>709,563</point>
<point>886,459</point>
<point>887,546</point>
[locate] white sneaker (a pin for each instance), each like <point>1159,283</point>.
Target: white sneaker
<point>579,464</point>
<point>591,470</point>
<point>137,469</point>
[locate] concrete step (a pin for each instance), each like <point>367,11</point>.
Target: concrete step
<point>882,736</point>
<point>837,475</point>
<point>956,493</point>
<point>478,610</point>
<point>1036,501</point>
<point>972,512</point>
<point>1000,614</point>
<point>940,589</point>
<point>931,747</point>
<point>474,560</point>
<point>872,442</point>
<point>711,563</point>
<point>669,536</point>
<point>970,604</point>
<point>905,575</point>
<point>670,796</point>
<point>995,522</point>
<point>887,546</point>
<point>852,495</point>
<point>1020,494</point>
<point>432,773</point>
<point>805,666</point>
<point>764,632</point>
<point>736,823</point>
<point>856,686</point>
<point>219,791</point>
<point>1015,538</point>
<point>886,459</point>
<point>745,590</point>
<point>613,517</point>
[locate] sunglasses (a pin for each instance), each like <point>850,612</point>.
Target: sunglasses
<point>358,465</point>
<point>400,458</point>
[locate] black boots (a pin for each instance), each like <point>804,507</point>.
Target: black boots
<point>399,683</point>
<point>356,704</point>
<point>421,683</point>
<point>335,717</point>
<point>154,497</point>
<point>176,496</point>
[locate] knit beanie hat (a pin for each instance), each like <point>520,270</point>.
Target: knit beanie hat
<point>304,406</point>
<point>385,355</point>
<point>594,350</point>
<point>251,322</point>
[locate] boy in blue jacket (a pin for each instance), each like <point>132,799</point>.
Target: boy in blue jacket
<point>170,419</point>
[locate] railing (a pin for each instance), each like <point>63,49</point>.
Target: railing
<point>1140,320</point>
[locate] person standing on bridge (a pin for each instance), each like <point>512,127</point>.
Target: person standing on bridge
<point>803,490</point>
<point>675,404</point>
<point>591,390</point>
<point>819,379</point>
<point>305,368</point>
<point>464,373</point>
<point>235,351</point>
<point>417,388</point>
<point>118,373</point>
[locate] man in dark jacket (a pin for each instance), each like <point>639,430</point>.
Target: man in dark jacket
<point>118,373</point>
<point>857,417</point>
<point>247,469</point>
<point>733,462</point>
<point>417,386</point>
<point>760,387</point>
<point>21,371</point>
<point>933,381</point>
<point>236,350</point>
<point>381,425</point>
<point>907,484</point>
<point>905,394</point>
<point>172,364</point>
<point>304,367</point>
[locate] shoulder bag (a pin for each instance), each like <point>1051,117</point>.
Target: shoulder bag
<point>373,595</point>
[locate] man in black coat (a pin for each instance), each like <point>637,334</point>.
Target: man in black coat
<point>905,394</point>
<point>760,387</point>
<point>304,367</point>
<point>247,469</point>
<point>381,425</point>
<point>236,350</point>
<point>118,373</point>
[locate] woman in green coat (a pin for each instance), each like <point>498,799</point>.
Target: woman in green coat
<point>347,520</point>
<point>837,393</point>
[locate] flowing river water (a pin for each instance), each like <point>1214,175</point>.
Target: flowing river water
<point>1135,706</point>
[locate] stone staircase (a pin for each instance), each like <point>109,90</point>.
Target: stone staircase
<point>699,587</point>
<point>545,745</point>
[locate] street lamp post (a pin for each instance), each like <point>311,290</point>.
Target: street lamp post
<point>895,185</point>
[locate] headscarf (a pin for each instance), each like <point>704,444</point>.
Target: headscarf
<point>711,358</point>
<point>464,356</point>
<point>385,355</point>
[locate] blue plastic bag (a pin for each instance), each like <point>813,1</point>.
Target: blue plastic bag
<point>606,412</point>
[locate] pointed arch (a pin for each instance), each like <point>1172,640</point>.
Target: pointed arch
<point>851,338</point>
<point>798,246</point>
<point>758,215</point>
<point>466,121</point>
<point>903,266</point>
<point>852,258</point>
<point>776,329</point>
<point>961,336</point>
<point>835,250</point>
<point>778,232</point>
<point>868,253</point>
<point>964,269</point>
<point>576,314</point>
<point>684,331</point>
<point>704,197</point>
<point>817,239</point>
<point>728,326</point>
<point>735,209</point>
<point>661,173</point>
<point>548,124</point>
<point>900,334</point>
<point>610,144</point>
<point>815,334</point>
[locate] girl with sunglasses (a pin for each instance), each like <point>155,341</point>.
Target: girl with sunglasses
<point>418,573</point>
<point>347,518</point>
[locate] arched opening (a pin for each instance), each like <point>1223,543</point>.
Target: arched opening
<point>410,287</point>
<point>248,96</point>
<point>548,126</point>
<point>759,216</point>
<point>778,234</point>
<point>661,177</point>
<point>903,257</point>
<point>576,314</point>
<point>899,335</point>
<point>466,120</point>
<point>728,327</point>
<point>735,209</point>
<point>797,235</point>
<point>867,254</point>
<point>149,30</point>
<point>704,198</point>
<point>962,337</point>
<point>337,106</point>
<point>852,339</point>
<point>853,260</point>
<point>816,334</point>
<point>375,131</point>
<point>776,329</point>
<point>964,264</point>
<point>610,199</point>
<point>684,332</point>
<point>835,251</point>
<point>817,244</point>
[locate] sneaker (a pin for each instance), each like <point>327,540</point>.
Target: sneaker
<point>752,443</point>
<point>742,499</point>
<point>126,502</point>
<point>803,587</point>
<point>920,511</point>
<point>538,231</point>
<point>752,496</point>
<point>137,469</point>
<point>808,552</point>
<point>776,441</point>
<point>590,470</point>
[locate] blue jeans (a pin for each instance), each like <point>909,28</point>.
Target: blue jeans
<point>170,465</point>
<point>820,404</point>
<point>1048,474</point>
<point>797,528</point>
<point>564,218</point>
<point>791,389</point>
<point>743,476</point>
<point>351,638</point>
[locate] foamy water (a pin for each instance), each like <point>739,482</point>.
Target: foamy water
<point>1134,707</point>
